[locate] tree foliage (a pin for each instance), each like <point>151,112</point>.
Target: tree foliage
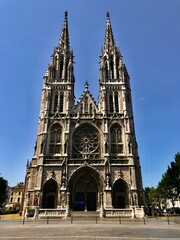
<point>3,190</point>
<point>169,186</point>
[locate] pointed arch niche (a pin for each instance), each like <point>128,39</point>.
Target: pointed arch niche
<point>120,194</point>
<point>49,196</point>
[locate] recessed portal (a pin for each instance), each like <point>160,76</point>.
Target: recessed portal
<point>84,190</point>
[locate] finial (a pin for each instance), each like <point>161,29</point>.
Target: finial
<point>107,14</point>
<point>86,85</point>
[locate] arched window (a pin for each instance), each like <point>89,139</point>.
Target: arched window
<point>55,139</point>
<point>116,139</point>
<point>61,102</point>
<point>56,102</point>
<point>116,102</point>
<point>111,102</point>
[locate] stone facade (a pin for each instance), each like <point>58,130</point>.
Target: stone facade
<point>85,156</point>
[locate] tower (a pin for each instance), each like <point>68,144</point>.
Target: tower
<point>85,156</point>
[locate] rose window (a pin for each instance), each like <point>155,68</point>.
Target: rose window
<point>86,143</point>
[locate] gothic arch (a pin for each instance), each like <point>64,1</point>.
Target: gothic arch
<point>49,194</point>
<point>120,194</point>
<point>85,186</point>
<point>86,142</point>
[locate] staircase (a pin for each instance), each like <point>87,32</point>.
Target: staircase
<point>84,216</point>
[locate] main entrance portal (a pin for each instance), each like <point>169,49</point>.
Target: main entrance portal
<point>84,190</point>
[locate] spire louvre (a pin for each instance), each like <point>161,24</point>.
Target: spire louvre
<point>64,38</point>
<point>109,43</point>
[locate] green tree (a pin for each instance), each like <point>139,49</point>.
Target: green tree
<point>151,199</point>
<point>169,186</point>
<point>3,190</point>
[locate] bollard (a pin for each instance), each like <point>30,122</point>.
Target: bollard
<point>119,220</point>
<point>168,219</point>
<point>71,219</point>
<point>144,220</point>
<point>23,220</point>
<point>47,220</point>
<point>96,219</point>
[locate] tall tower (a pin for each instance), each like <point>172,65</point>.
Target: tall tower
<point>86,156</point>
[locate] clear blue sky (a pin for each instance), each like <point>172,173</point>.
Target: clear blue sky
<point>148,34</point>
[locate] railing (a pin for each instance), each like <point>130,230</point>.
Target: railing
<point>52,212</point>
<point>119,213</point>
<point>89,161</point>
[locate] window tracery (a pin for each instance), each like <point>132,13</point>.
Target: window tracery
<point>86,143</point>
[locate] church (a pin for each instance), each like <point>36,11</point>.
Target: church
<point>86,155</point>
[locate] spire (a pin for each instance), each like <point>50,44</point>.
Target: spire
<point>109,43</point>
<point>64,38</point>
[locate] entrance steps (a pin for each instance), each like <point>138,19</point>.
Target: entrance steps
<point>94,217</point>
<point>88,214</point>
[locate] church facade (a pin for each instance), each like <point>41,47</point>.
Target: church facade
<point>86,155</point>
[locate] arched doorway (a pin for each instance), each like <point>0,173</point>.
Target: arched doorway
<point>120,196</point>
<point>49,199</point>
<point>84,187</point>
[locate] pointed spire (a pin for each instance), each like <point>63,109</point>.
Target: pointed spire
<point>109,43</point>
<point>64,38</point>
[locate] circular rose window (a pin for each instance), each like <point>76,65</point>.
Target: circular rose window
<point>86,142</point>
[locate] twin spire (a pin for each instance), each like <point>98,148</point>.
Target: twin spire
<point>109,43</point>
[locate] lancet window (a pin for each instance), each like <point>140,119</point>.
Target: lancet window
<point>56,97</point>
<point>116,139</point>
<point>55,134</point>
<point>61,102</point>
<point>61,67</point>
<point>86,104</point>
<point>116,99</point>
<point>58,102</point>
<point>111,102</point>
<point>111,68</point>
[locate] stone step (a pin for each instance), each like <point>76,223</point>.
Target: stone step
<point>87,214</point>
